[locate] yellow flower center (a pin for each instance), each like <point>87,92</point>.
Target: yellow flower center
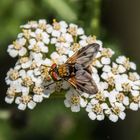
<point>56,25</point>
<point>120,97</point>
<point>23,60</point>
<point>110,81</point>
<point>100,97</point>
<point>75,99</point>
<point>126,87</point>
<point>75,47</point>
<point>136,99</point>
<point>97,108</point>
<point>61,39</point>
<point>27,81</point>
<point>106,52</point>
<point>116,110</point>
<point>38,90</point>
<point>14,75</point>
<point>72,31</point>
<point>25,99</point>
<point>26,33</point>
<point>91,39</point>
<point>17,46</point>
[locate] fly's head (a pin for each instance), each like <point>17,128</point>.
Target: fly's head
<point>54,72</point>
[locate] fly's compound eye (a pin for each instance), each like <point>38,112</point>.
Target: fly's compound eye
<point>54,66</point>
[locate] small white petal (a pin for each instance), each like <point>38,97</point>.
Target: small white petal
<point>105,60</point>
<point>113,118</point>
<point>47,62</point>
<point>31,105</point>
<point>121,59</point>
<point>112,96</point>
<point>18,100</point>
<point>56,33</point>
<point>126,101</point>
<point>92,115</point>
<point>100,117</point>
<point>135,92</point>
<point>66,103</point>
<point>122,115</point>
<point>137,82</point>
<point>13,53</point>
<point>80,31</point>
<point>104,106</point>
<point>89,108</point>
<point>94,101</point>
<point>133,66</point>
<point>104,75</point>
<point>75,108</point>
<point>98,64</point>
<point>22,106</point>
<point>38,98</point>
<point>134,106</point>
<point>22,51</point>
<point>135,87</point>
<point>96,77</point>
<point>121,69</point>
<point>9,100</point>
<point>106,68</point>
<point>83,102</point>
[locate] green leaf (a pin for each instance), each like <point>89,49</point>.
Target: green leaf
<point>62,9</point>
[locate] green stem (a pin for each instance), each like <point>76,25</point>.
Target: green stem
<point>95,21</point>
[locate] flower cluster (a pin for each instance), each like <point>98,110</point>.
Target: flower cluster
<point>41,44</point>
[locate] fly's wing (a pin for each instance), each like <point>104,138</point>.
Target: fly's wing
<point>83,81</point>
<point>84,56</point>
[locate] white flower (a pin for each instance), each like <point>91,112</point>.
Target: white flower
<point>39,94</point>
<point>113,117</point>
<point>135,102</point>
<point>96,110</point>
<point>17,48</point>
<point>25,101</point>
<point>116,96</point>
<point>134,106</point>
<point>9,99</point>
<point>58,28</point>
<point>31,24</point>
<point>37,58</point>
<point>126,63</point>
<point>37,46</point>
<point>74,30</point>
<point>58,59</point>
<point>116,111</point>
<point>40,45</point>
<point>74,100</point>
<point>115,69</point>
<point>85,40</point>
<point>24,62</point>
<point>11,92</point>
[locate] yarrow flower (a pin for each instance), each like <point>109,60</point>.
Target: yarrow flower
<point>41,44</point>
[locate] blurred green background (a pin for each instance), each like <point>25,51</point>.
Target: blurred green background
<point>116,23</point>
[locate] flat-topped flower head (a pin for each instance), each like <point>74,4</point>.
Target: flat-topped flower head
<point>41,48</point>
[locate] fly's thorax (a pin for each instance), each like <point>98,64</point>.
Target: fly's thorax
<point>63,71</point>
<point>66,70</point>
